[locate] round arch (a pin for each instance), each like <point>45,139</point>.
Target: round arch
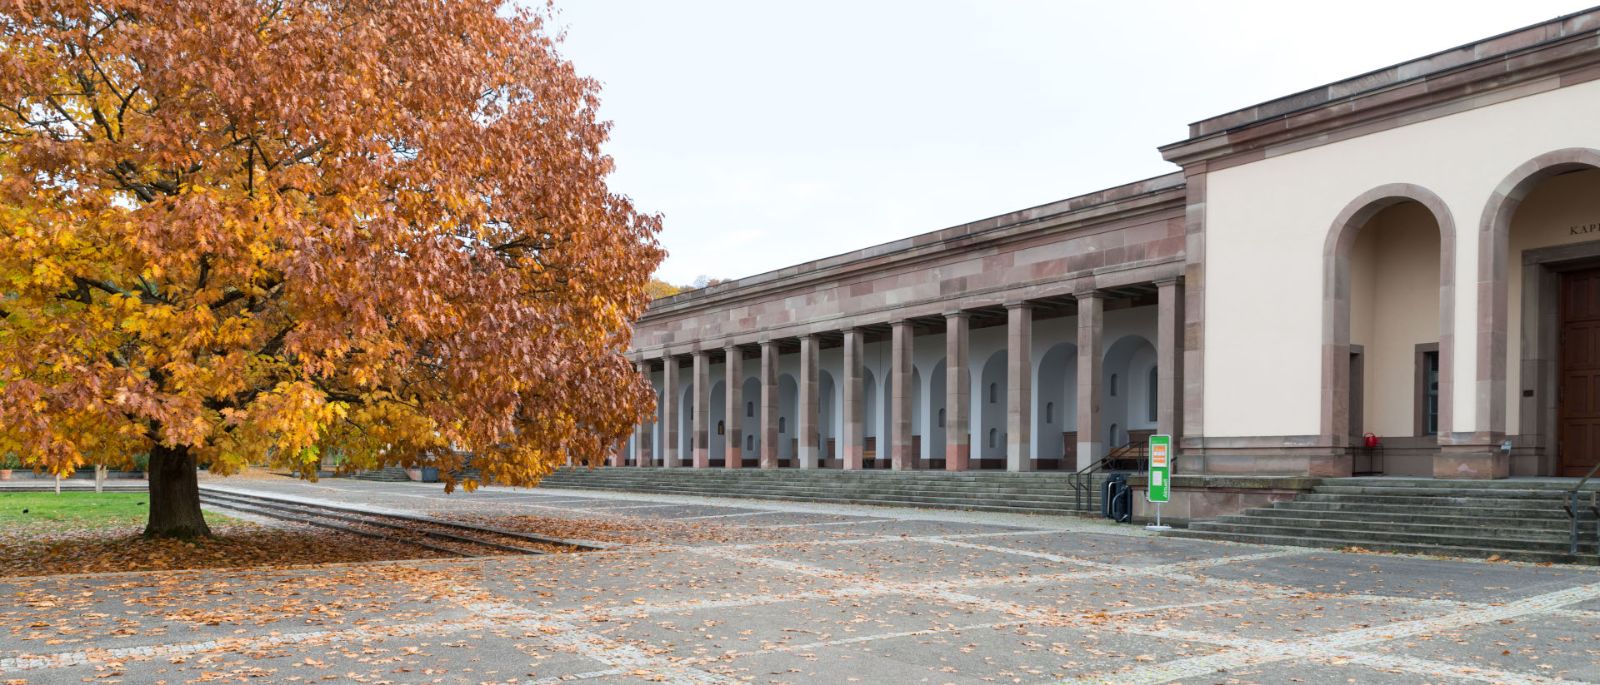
<point>1494,237</point>
<point>1336,284</point>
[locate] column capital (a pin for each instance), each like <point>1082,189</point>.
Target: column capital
<point>1019,304</point>
<point>1091,294</point>
<point>957,314</point>
<point>1169,282</point>
<point>900,322</point>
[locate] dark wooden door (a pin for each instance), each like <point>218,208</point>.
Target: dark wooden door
<point>1579,410</point>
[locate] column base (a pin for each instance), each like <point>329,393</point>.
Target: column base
<point>1472,462</point>
<point>961,459</point>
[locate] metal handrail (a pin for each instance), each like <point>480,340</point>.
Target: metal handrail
<point>1572,511</point>
<point>1083,479</point>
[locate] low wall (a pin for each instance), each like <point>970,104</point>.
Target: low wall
<point>1200,497</point>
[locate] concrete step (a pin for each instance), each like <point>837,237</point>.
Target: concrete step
<point>1366,536</point>
<point>1481,552</point>
<point>1447,517</point>
<point>1001,491</point>
<point>1554,512</point>
<point>1430,493</point>
<point>1464,528</point>
<point>1442,500</point>
<point>865,498</point>
<point>1560,485</point>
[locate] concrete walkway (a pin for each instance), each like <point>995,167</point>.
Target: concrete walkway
<point>794,593</point>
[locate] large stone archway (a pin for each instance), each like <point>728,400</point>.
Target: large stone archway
<point>1533,274</point>
<point>1336,319</point>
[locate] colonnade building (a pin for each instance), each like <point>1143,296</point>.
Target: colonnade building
<point>1412,253</point>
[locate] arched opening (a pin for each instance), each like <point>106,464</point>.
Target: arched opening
<point>933,446</point>
<point>872,444</point>
<point>992,419</point>
<point>1388,310</point>
<point>1124,412</point>
<point>716,425</point>
<point>686,426</point>
<point>1056,427</point>
<point>750,424</point>
<point>1545,278</point>
<point>828,411</point>
<point>788,441</point>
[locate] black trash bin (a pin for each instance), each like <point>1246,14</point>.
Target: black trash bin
<point>1116,498</point>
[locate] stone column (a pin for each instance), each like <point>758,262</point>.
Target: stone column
<point>1019,386</point>
<point>958,393</point>
<point>901,401</point>
<point>852,433</point>
<point>1169,358</point>
<point>806,423</point>
<point>669,412</point>
<point>1091,327</point>
<point>769,405</point>
<point>733,378</point>
<point>641,448</point>
<point>702,410</point>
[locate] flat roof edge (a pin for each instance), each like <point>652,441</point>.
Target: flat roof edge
<point>1486,49</point>
<point>1077,203</point>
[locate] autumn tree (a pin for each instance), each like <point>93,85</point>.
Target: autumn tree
<point>242,231</point>
<point>658,289</point>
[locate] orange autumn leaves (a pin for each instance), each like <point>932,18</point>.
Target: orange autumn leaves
<point>278,232</point>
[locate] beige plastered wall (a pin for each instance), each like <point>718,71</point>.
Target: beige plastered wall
<point>1267,223</point>
<point>1394,306</point>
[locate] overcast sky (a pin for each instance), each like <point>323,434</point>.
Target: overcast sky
<point>772,133</point>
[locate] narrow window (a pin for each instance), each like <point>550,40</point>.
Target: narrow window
<point>1111,436</point>
<point>994,393</point>
<point>992,434</point>
<point>1155,386</point>
<point>750,443</point>
<point>1430,393</point>
<point>1049,412</point>
<point>720,428</point>
<point>1113,385</point>
<point>783,425</point>
<point>941,417</point>
<point>749,408</point>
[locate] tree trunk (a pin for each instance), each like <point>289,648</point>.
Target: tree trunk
<point>174,495</point>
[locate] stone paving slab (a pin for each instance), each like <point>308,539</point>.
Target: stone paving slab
<point>1120,549</point>
<point>832,595</point>
<point>1550,646</point>
<point>1408,576</point>
<point>1312,673</point>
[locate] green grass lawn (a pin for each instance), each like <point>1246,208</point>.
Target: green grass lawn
<point>48,510</point>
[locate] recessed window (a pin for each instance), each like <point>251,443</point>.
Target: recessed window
<point>941,417</point>
<point>721,428</point>
<point>749,409</point>
<point>994,393</point>
<point>1049,412</point>
<point>1429,392</point>
<point>783,425</point>
<point>993,434</point>
<point>749,443</point>
<point>1155,388</point>
<point>1113,385</point>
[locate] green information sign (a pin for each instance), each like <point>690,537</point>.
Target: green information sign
<point>1160,468</point>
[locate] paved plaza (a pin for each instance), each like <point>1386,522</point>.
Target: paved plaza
<point>779,593</point>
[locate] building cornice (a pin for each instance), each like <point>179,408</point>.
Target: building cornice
<point>1081,213</point>
<point>1534,59</point>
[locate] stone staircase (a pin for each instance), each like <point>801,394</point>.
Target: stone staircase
<point>1029,493</point>
<point>1514,519</point>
